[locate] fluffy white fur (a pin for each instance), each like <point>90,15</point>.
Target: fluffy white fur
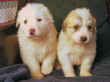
<point>72,50</point>
<point>41,47</point>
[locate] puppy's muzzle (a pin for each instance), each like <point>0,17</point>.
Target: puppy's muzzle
<point>83,39</point>
<point>32,32</point>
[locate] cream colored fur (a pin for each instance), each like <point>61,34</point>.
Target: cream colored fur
<point>71,51</point>
<point>38,52</point>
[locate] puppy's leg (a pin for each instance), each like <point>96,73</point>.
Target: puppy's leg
<point>33,66</point>
<point>86,66</point>
<point>67,66</point>
<point>48,64</point>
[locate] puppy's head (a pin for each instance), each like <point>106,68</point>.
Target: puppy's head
<point>34,20</point>
<point>80,25</point>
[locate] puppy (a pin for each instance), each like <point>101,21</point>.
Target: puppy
<point>77,42</point>
<point>37,38</point>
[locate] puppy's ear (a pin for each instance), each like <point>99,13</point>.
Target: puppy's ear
<point>18,22</point>
<point>49,14</point>
<point>64,25</point>
<point>94,24</point>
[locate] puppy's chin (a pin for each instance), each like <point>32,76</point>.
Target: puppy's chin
<point>34,37</point>
<point>84,42</point>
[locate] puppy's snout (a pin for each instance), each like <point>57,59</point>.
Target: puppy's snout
<point>32,31</point>
<point>83,38</point>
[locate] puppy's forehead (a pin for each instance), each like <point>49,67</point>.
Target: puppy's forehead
<point>27,12</point>
<point>84,14</point>
<point>74,17</point>
<point>32,10</point>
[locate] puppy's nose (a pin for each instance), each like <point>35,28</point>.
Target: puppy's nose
<point>32,31</point>
<point>83,38</point>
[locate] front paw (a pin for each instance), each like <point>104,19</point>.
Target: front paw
<point>70,75</point>
<point>46,69</point>
<point>85,74</point>
<point>37,76</point>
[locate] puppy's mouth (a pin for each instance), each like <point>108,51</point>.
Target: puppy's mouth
<point>34,36</point>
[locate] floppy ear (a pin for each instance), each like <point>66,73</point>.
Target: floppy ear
<point>18,21</point>
<point>49,14</point>
<point>64,25</point>
<point>94,24</point>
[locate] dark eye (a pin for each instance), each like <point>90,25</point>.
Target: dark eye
<point>25,21</point>
<point>76,26</point>
<point>89,27</point>
<point>39,19</point>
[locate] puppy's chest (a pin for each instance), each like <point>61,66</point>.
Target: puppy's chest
<point>37,50</point>
<point>40,51</point>
<point>76,54</point>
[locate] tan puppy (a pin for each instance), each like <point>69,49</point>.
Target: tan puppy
<point>37,39</point>
<point>77,42</point>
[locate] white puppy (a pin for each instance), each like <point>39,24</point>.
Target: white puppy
<point>37,37</point>
<point>77,42</point>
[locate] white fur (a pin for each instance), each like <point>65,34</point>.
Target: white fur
<point>71,51</point>
<point>41,48</point>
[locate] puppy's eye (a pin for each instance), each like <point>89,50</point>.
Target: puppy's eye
<point>76,26</point>
<point>89,27</point>
<point>25,21</point>
<point>39,20</point>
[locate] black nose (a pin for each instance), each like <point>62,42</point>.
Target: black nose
<point>83,38</point>
<point>32,31</point>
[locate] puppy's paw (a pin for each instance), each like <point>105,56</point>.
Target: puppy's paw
<point>70,75</point>
<point>85,74</point>
<point>37,76</point>
<point>46,69</point>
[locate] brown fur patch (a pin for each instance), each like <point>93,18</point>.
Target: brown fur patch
<point>68,22</point>
<point>94,24</point>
